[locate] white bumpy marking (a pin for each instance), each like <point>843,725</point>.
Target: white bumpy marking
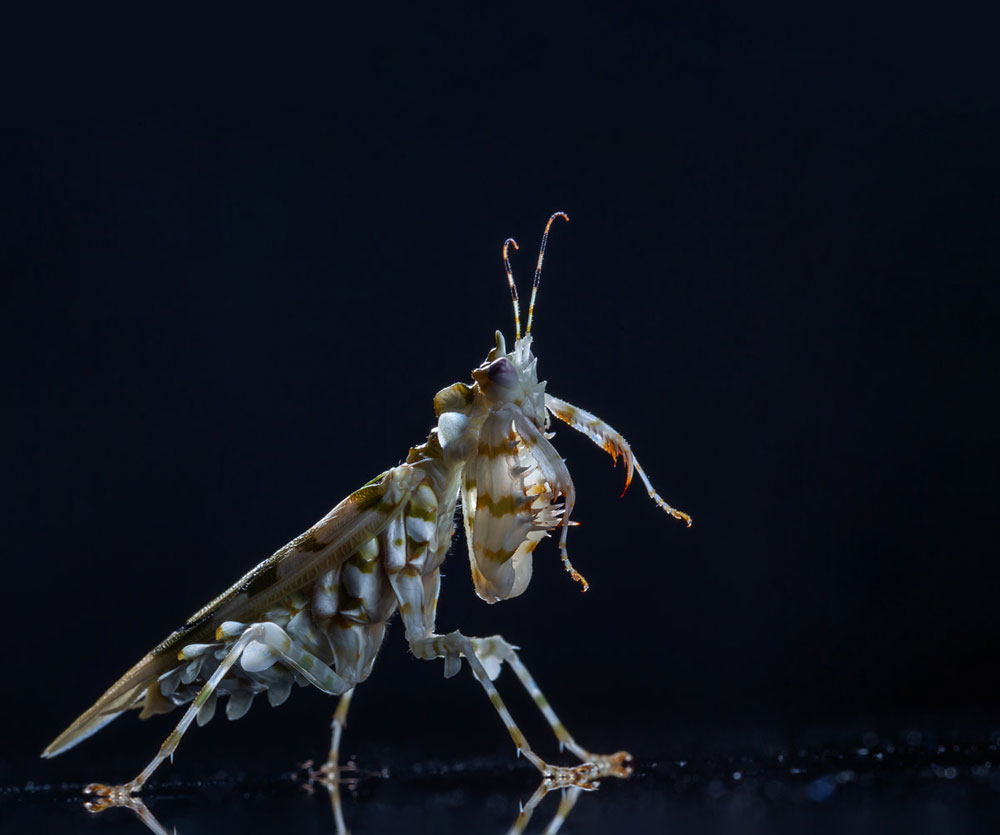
<point>258,657</point>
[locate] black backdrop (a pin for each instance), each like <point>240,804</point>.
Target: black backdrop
<point>241,257</point>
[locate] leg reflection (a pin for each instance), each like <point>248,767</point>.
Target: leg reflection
<point>567,801</point>
<point>566,804</point>
<point>128,802</point>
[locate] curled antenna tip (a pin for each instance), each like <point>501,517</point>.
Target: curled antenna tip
<point>538,267</point>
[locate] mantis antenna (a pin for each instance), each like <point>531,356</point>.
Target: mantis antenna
<point>538,268</point>
<point>513,287</point>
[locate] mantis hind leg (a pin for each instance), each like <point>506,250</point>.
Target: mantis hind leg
<point>330,775</point>
<point>455,646</point>
<point>330,771</point>
<point>492,652</point>
<point>268,644</point>
<point>337,725</point>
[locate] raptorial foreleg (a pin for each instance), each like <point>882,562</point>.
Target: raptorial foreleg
<point>260,646</point>
<point>612,442</point>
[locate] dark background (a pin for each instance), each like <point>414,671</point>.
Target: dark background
<point>242,255</point>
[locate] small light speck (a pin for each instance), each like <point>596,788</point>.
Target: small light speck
<point>821,789</point>
<point>737,775</point>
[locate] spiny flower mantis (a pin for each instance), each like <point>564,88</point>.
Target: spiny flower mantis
<point>315,612</point>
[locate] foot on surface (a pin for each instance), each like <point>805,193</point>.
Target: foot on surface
<point>107,797</point>
<point>331,773</point>
<point>585,776</point>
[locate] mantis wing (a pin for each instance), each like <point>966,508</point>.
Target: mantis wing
<point>326,545</point>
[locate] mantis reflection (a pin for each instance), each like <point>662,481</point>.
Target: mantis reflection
<point>333,783</point>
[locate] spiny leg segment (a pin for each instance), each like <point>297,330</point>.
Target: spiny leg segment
<point>608,765</point>
<point>612,442</point>
<point>494,651</point>
<point>485,657</point>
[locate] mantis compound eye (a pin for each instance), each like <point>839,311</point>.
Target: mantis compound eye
<point>499,374</point>
<point>502,372</point>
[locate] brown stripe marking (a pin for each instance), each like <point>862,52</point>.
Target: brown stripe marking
<point>498,508</point>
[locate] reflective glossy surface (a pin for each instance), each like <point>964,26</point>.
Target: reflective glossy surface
<point>916,780</point>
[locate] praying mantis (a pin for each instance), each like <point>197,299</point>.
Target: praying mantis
<point>315,613</point>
